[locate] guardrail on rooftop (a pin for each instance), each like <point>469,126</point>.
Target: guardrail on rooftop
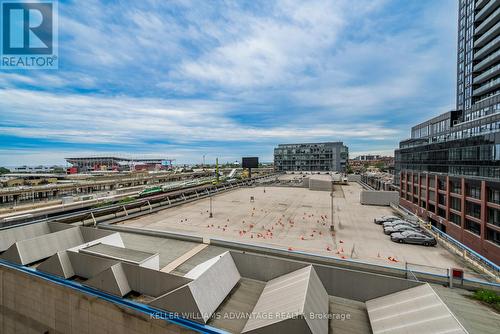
<point>495,269</point>
<point>437,275</point>
<point>468,254</point>
<point>148,204</point>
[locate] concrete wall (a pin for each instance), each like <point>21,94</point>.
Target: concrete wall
<point>113,239</point>
<point>320,182</point>
<point>354,177</point>
<point>152,282</point>
<point>269,267</point>
<point>339,282</point>
<point>87,266</point>
<point>9,236</point>
<point>360,286</point>
<point>373,197</point>
<point>29,304</point>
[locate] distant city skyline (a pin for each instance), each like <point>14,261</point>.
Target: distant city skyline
<point>187,79</point>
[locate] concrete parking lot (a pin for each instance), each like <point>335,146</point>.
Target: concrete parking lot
<point>298,219</point>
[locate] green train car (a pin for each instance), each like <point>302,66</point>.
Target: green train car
<point>151,191</point>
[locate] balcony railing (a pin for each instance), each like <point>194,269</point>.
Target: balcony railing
<point>487,36</point>
<point>487,74</point>
<point>487,61</point>
<point>487,87</point>
<point>480,3</point>
<point>487,23</point>
<point>491,6</point>
<point>490,46</point>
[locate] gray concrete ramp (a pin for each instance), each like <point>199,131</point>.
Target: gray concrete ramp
<point>41,247</point>
<point>212,281</point>
<point>293,303</point>
<point>415,310</point>
<point>87,266</point>
<point>127,255</point>
<point>9,236</point>
<point>112,280</point>
<point>152,282</point>
<point>58,264</point>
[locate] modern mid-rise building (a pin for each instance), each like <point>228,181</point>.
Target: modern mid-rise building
<point>449,170</point>
<point>330,156</point>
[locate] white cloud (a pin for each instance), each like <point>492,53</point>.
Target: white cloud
<point>134,121</point>
<point>258,72</point>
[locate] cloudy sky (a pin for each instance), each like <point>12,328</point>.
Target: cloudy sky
<point>183,79</point>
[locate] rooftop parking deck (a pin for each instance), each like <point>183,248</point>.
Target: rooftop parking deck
<point>299,219</point>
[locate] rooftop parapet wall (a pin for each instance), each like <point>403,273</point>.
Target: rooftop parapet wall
<point>375,197</point>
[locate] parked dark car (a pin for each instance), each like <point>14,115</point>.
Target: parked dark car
<point>400,228</point>
<point>384,219</point>
<point>410,237</point>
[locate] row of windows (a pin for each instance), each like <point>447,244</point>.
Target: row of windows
<point>488,153</point>
<point>472,209</point>
<point>492,172</point>
<point>305,157</point>
<point>431,129</point>
<point>494,216</point>
<point>472,226</point>
<point>493,236</point>
<point>487,95</point>
<point>494,195</point>
<point>482,112</point>
<point>489,172</point>
<point>469,132</point>
<point>472,189</point>
<point>483,153</point>
<point>492,127</point>
<point>456,203</point>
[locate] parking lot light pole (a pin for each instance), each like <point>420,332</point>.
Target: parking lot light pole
<point>211,214</point>
<point>332,227</point>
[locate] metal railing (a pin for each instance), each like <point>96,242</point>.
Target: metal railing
<point>463,249</point>
<point>157,201</point>
<point>495,269</point>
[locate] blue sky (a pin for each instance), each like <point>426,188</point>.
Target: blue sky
<point>183,79</point>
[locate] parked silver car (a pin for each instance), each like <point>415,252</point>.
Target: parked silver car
<point>400,222</point>
<point>400,228</point>
<point>410,237</point>
<point>384,219</point>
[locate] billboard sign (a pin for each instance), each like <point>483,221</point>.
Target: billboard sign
<point>250,162</point>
